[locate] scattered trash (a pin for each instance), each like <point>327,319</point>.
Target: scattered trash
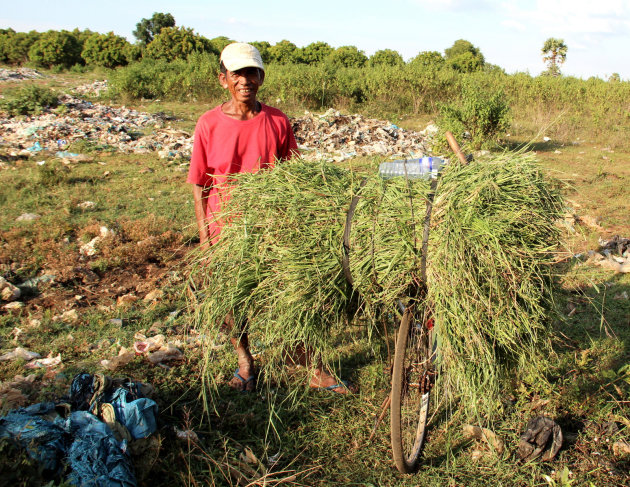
<point>332,136</point>
<point>146,345</point>
<point>16,332</point>
<point>126,300</point>
<point>92,89</point>
<point>67,316</point>
<point>89,249</point>
<point>32,284</point>
<point>186,435</point>
<point>49,361</point>
<point>338,137</point>
<point>34,323</point>
<point>27,217</point>
<point>19,74</point>
<point>66,155</point>
<point>116,322</point>
<point>36,147</point>
<point>20,353</point>
<point>119,129</point>
<point>621,448</point>
<point>14,305</point>
<point>85,432</point>
<point>154,295</point>
<point>168,353</point>
<point>8,291</point>
<point>616,246</point>
<point>542,436</point>
<point>483,434</point>
<point>124,357</point>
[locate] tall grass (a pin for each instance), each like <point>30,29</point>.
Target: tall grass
<point>277,268</point>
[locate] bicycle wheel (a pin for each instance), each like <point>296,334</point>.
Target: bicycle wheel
<point>413,375</point>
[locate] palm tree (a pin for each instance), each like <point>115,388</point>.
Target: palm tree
<point>554,53</point>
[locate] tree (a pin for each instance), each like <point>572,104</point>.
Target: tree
<point>56,48</point>
<point>348,56</point>
<point>386,57</point>
<point>176,43</point>
<point>263,49</point>
<point>282,52</point>
<point>428,59</point>
<point>314,53</point>
<point>464,57</point>
<point>14,46</point>
<point>220,42</point>
<point>147,29</point>
<point>554,54</point>
<point>107,50</point>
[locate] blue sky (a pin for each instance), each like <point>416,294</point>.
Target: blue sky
<point>510,33</point>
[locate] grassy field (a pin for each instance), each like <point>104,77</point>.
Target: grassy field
<point>290,435</point>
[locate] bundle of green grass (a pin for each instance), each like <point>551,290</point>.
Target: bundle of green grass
<point>277,267</point>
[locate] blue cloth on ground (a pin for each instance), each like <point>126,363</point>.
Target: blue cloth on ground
<point>86,443</point>
<point>95,457</point>
<point>45,441</point>
<point>138,416</point>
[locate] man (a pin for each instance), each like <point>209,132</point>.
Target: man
<point>240,135</point>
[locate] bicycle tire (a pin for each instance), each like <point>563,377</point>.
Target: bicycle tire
<point>412,376</point>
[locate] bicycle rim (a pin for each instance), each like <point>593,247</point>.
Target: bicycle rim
<point>412,377</point>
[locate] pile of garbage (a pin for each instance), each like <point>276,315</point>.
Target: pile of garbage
<point>92,89</point>
<point>121,129</point>
<point>613,254</point>
<point>330,136</point>
<point>337,137</point>
<point>19,74</point>
<point>90,432</point>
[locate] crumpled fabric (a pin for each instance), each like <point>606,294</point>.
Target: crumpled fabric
<point>88,445</point>
<point>45,441</point>
<point>138,415</point>
<point>95,457</point>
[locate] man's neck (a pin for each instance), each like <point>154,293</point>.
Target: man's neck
<point>241,111</point>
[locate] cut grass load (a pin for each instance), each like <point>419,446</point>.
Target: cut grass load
<point>277,267</point>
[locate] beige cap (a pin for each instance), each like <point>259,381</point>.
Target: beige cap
<point>240,55</point>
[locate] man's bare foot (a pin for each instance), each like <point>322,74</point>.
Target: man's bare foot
<point>322,379</point>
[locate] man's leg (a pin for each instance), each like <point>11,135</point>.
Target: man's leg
<point>243,379</point>
<point>321,378</point>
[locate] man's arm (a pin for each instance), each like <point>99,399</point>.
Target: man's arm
<point>200,195</point>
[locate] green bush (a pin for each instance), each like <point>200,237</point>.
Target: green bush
<point>481,117</point>
<point>30,99</point>
<point>14,46</point>
<point>180,80</point>
<point>314,53</point>
<point>106,50</point>
<point>177,43</point>
<point>347,56</point>
<point>282,52</point>
<point>56,48</point>
<point>464,57</point>
<point>386,57</point>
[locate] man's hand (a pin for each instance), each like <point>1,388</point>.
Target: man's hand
<point>200,195</point>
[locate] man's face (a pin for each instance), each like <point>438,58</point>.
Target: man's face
<point>243,84</point>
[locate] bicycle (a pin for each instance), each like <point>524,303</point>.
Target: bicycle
<point>413,398</point>
<point>413,377</point>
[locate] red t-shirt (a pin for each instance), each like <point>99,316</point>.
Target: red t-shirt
<point>223,145</point>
